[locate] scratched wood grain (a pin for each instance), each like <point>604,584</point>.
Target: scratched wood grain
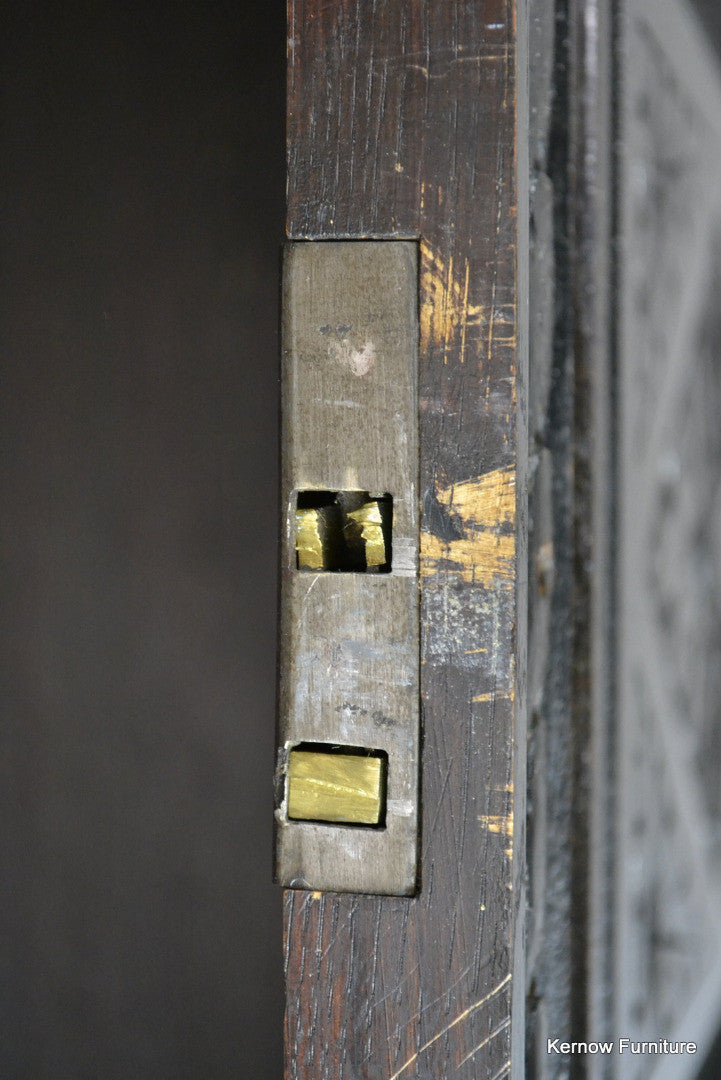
<point>408,119</point>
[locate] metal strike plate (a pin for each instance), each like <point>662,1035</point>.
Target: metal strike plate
<point>347,772</point>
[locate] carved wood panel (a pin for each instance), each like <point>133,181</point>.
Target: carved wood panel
<point>669,644</point>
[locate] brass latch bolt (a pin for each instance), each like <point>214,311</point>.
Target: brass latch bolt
<point>346,531</point>
<point>336,785</point>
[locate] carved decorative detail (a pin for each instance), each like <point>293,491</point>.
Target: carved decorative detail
<point>669,721</point>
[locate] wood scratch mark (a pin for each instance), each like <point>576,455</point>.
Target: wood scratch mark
<point>494,695</point>
<point>464,321</point>
<point>485,551</point>
<point>434,1001</point>
<point>484,501</point>
<point>332,938</point>
<point>484,1042</point>
<point>501,824</point>
<point>446,311</point>
<point>444,1031</point>
<point>496,53</point>
<point>482,560</point>
<point>395,988</point>
<point>440,798</point>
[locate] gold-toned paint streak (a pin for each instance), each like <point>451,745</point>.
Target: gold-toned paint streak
<point>484,1042</point>
<point>485,506</point>
<point>472,652</point>
<point>466,1013</point>
<point>315,895</point>
<point>485,501</point>
<point>498,823</point>
<point>482,560</point>
<point>494,695</point>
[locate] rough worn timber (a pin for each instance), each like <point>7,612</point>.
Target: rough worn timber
<point>408,119</point>
<point>571,708</point>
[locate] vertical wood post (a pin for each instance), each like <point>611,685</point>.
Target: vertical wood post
<point>408,119</point>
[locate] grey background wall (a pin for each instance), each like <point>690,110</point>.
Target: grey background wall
<point>142,212</point>
<point>710,13</point>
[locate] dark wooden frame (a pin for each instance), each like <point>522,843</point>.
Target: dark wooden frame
<point>409,120</point>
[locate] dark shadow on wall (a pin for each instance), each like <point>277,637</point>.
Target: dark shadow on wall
<point>142,212</point>
<point>710,13</point>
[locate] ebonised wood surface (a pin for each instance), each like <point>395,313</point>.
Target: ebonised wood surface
<point>409,120</point>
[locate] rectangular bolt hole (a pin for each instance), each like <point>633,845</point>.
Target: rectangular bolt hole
<point>337,785</point>
<point>344,531</point>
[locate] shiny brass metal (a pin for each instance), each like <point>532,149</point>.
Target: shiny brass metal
<point>368,517</point>
<point>309,539</point>
<point>328,786</point>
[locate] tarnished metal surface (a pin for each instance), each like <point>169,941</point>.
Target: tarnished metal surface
<point>349,640</point>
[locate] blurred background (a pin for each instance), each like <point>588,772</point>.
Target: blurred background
<point>142,190</point>
<point>710,13</point>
